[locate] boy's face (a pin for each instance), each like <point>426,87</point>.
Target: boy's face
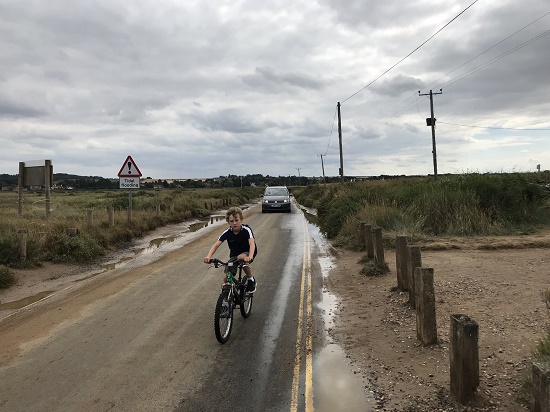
<point>235,222</point>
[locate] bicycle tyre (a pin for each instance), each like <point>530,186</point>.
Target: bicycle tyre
<point>246,304</point>
<point>223,319</point>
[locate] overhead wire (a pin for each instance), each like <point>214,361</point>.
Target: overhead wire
<point>463,75</point>
<point>408,55</point>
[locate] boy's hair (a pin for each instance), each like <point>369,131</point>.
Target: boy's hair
<point>234,211</point>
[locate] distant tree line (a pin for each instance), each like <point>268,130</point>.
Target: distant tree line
<point>69,181</point>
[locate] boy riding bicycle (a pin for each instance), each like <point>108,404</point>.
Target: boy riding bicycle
<point>242,245</point>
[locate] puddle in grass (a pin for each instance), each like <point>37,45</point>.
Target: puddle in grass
<point>345,389</point>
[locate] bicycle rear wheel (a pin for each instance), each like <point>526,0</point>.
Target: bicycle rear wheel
<point>223,318</point>
<point>246,303</point>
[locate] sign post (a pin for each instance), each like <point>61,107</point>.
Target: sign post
<point>129,175</point>
<point>35,173</point>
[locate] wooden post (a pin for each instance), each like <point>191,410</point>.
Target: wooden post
<point>90,217</point>
<point>541,386</point>
<point>48,186</point>
<point>130,206</point>
<point>72,231</point>
<point>172,207</point>
<point>20,186</point>
<point>22,237</point>
<point>414,260</point>
<point>401,262</point>
<point>111,214</point>
<point>426,327</point>
<point>379,246</point>
<point>464,357</point>
<point>362,235</point>
<point>369,241</point>
<point>158,209</point>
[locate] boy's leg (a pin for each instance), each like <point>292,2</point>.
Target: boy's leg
<point>246,268</point>
<point>251,282</point>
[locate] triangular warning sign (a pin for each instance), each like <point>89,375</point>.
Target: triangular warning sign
<point>129,168</point>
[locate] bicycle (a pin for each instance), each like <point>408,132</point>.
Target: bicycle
<point>233,294</point>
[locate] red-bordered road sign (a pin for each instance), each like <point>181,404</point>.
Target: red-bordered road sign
<point>129,168</point>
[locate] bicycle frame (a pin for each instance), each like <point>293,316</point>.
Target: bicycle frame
<point>233,293</point>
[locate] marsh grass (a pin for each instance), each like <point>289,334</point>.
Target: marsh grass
<point>47,239</point>
<point>7,278</point>
<point>462,205</point>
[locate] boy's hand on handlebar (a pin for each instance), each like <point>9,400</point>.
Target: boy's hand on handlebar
<point>207,259</point>
<point>246,259</point>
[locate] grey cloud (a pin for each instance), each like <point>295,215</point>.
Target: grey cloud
<point>228,120</point>
<point>268,78</point>
<point>397,85</point>
<point>19,110</point>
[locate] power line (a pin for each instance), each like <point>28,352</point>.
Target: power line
<point>491,127</point>
<point>490,48</point>
<point>463,75</point>
<point>489,62</point>
<point>408,55</point>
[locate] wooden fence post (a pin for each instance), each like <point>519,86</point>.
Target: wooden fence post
<point>541,386</point>
<point>401,262</point>
<point>369,241</point>
<point>464,357</point>
<point>172,207</point>
<point>414,260</point>
<point>362,235</point>
<point>111,214</point>
<point>22,238</point>
<point>157,209</point>
<point>379,247</point>
<point>90,217</point>
<point>426,327</point>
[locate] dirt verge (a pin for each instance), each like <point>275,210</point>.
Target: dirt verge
<point>499,289</point>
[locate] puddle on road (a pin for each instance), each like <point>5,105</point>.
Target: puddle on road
<point>117,264</point>
<point>18,304</point>
<point>339,386</point>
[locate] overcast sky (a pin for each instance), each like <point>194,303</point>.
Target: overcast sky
<point>207,88</point>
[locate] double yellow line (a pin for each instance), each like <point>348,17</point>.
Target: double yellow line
<point>307,325</point>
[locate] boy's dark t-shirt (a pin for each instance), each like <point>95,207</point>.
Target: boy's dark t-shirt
<point>238,243</point>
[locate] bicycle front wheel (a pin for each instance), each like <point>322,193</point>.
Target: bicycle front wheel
<point>223,318</point>
<point>246,303</point>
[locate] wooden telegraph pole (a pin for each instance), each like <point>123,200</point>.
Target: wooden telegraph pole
<point>431,122</point>
<point>340,140</point>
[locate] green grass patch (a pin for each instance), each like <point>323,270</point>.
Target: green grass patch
<point>7,278</point>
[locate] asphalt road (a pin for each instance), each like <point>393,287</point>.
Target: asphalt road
<point>142,339</point>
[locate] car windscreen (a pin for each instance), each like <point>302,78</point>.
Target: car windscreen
<point>276,192</point>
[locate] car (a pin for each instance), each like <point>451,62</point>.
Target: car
<point>276,198</point>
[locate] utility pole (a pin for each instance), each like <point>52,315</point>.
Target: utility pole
<point>431,122</point>
<point>323,167</point>
<point>340,140</point>
<point>299,182</point>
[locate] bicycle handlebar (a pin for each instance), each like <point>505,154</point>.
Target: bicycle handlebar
<point>218,262</point>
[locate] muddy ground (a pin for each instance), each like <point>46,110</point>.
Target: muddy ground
<point>495,281</point>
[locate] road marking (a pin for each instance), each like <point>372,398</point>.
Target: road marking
<point>306,277</point>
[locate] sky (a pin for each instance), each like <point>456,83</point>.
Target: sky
<point>197,89</point>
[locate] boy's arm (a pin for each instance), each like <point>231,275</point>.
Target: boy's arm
<point>252,244</point>
<point>212,250</point>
